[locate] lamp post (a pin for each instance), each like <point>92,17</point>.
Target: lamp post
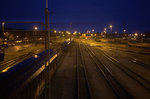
<point>36,28</point>
<point>124,31</point>
<point>3,25</point>
<point>35,35</point>
<point>110,29</point>
<point>3,30</point>
<point>47,45</point>
<point>47,28</point>
<point>93,30</point>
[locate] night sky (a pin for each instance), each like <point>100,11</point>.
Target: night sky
<point>84,15</point>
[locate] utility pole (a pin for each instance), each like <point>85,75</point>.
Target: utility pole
<point>3,30</point>
<point>47,28</point>
<point>47,46</point>
<point>70,31</point>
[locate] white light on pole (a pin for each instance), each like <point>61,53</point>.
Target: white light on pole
<point>93,30</point>
<point>105,30</point>
<point>3,25</point>
<point>35,28</point>
<point>124,31</point>
<point>111,27</point>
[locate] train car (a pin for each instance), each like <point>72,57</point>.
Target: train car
<point>15,77</point>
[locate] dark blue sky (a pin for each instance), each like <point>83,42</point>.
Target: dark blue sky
<point>83,14</point>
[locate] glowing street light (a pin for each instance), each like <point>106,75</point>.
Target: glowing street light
<point>111,27</point>
<point>93,30</point>
<point>124,31</point>
<point>136,34</point>
<point>75,33</point>
<point>3,25</point>
<point>35,28</point>
<point>55,31</point>
<point>105,30</point>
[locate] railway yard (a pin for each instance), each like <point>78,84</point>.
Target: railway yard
<point>86,70</point>
<point>92,70</point>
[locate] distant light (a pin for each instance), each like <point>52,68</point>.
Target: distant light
<point>68,32</point>
<point>40,38</point>
<point>88,31</point>
<point>35,28</point>
<point>35,56</point>
<point>55,31</point>
<point>111,26</point>
<point>93,30</point>
<point>136,34</point>
<point>124,31</point>
<point>18,41</point>
<point>116,32</point>
<point>3,23</point>
<point>75,33</point>
<point>68,43</point>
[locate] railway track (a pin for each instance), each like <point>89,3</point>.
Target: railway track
<point>134,60</point>
<point>83,89</point>
<point>137,77</point>
<point>139,62</point>
<point>117,88</point>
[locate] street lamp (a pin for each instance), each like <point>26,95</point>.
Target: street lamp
<point>124,31</point>
<point>93,30</point>
<point>111,28</point>
<point>136,34</point>
<point>55,31</point>
<point>35,28</point>
<point>105,30</point>
<point>35,35</point>
<point>3,24</point>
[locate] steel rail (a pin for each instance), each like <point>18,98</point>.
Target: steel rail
<point>138,78</point>
<point>81,68</point>
<point>117,88</point>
